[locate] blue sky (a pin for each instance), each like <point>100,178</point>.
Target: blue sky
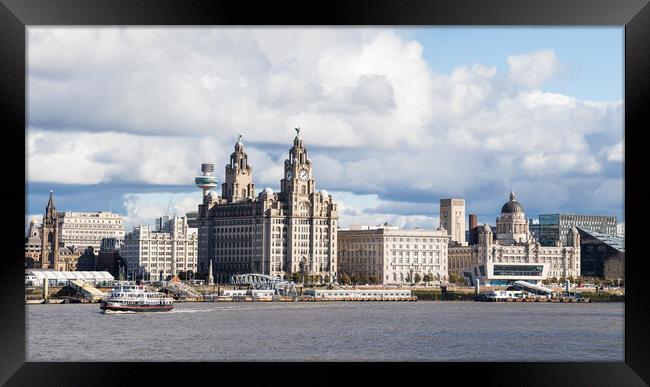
<point>593,56</point>
<point>394,119</point>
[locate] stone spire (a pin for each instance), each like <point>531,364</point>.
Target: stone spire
<point>50,204</point>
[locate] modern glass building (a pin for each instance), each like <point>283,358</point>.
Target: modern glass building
<point>602,255</point>
<point>555,227</point>
<point>491,273</point>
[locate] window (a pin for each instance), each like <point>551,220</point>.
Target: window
<point>518,270</point>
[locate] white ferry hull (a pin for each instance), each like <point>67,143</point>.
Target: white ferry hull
<point>108,307</point>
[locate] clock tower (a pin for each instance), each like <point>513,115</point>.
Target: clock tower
<point>239,177</point>
<point>298,180</point>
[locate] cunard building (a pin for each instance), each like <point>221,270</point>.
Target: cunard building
<point>273,233</point>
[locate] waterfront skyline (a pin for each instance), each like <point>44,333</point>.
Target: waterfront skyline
<point>395,120</point>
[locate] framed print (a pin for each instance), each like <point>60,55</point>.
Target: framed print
<point>440,186</point>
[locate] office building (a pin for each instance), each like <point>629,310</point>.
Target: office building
<point>83,229</point>
<point>533,226</point>
<point>602,255</point>
<point>273,233</point>
<point>452,219</point>
<point>620,230</point>
<point>155,255</point>
<point>554,228</point>
<point>393,256</point>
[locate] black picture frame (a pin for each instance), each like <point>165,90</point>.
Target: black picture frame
<point>16,15</point>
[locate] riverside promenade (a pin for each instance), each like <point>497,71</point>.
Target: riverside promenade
<point>215,293</point>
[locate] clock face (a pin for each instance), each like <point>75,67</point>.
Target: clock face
<point>304,175</point>
<point>289,174</point>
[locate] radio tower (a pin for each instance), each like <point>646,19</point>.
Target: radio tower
<point>206,181</point>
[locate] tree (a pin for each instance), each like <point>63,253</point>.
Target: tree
<point>408,277</point>
<point>296,277</point>
<point>353,278</point>
<point>373,279</point>
<point>417,278</point>
<point>456,278</point>
<point>345,279</point>
<point>327,278</point>
<point>363,278</point>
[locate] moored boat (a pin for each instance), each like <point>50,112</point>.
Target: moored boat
<point>129,297</point>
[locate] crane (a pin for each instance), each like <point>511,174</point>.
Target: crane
<point>171,199</point>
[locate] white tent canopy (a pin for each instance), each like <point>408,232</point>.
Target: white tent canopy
<point>63,277</point>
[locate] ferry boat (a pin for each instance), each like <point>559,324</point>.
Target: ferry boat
<point>129,297</point>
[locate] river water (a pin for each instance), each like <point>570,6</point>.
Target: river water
<point>330,331</point>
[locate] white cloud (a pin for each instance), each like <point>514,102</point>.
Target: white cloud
<point>367,210</point>
<point>615,152</point>
<point>530,70</point>
<point>91,158</point>
<point>144,208</point>
<point>375,116</point>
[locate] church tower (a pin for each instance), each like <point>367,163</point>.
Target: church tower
<point>239,177</point>
<point>50,237</point>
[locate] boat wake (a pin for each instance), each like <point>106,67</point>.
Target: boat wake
<point>192,310</point>
<point>117,312</point>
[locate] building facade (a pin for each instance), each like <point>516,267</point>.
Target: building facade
<point>72,231</point>
<point>452,219</point>
<point>555,227</point>
<point>69,257</point>
<point>513,253</point>
<point>152,254</point>
<point>602,255</point>
<point>273,233</point>
<point>472,232</point>
<point>83,229</point>
<point>33,245</point>
<point>393,256</point>
<point>533,226</point>
<point>192,220</point>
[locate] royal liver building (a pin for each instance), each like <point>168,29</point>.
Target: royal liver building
<point>269,233</point>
